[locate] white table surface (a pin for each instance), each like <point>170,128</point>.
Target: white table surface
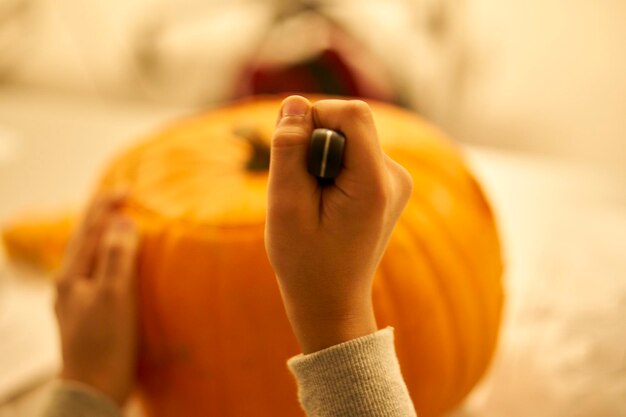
<point>563,344</point>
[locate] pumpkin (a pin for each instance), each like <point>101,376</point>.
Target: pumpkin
<point>214,334</point>
<point>38,240</point>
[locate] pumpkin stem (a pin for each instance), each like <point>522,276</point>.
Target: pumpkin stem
<point>260,156</point>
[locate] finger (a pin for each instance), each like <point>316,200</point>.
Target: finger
<point>363,162</point>
<point>116,260</point>
<point>290,186</point>
<point>79,256</point>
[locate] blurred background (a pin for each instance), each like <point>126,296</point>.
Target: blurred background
<point>542,76</point>
<point>534,92</point>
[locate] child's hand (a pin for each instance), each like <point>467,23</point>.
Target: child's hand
<point>96,306</point>
<point>325,243</point>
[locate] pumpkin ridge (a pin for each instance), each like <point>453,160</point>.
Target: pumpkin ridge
<point>453,319</point>
<point>487,301</point>
<point>474,205</point>
<point>478,291</point>
<point>473,201</point>
<point>387,274</point>
<point>473,213</point>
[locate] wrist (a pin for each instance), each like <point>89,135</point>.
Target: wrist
<point>97,383</point>
<point>316,330</point>
<point>82,399</point>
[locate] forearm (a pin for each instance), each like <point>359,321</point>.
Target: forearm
<point>357,378</point>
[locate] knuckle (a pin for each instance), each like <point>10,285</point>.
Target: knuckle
<point>406,182</point>
<point>359,109</point>
<point>401,179</point>
<point>288,136</point>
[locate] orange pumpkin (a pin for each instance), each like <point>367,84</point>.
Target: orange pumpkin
<point>38,240</point>
<point>214,334</point>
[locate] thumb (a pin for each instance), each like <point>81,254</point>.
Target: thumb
<point>289,184</point>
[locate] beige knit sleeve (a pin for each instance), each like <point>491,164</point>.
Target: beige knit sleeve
<point>72,399</point>
<point>360,377</point>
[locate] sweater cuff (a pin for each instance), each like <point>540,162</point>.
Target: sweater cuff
<point>360,377</point>
<point>70,398</point>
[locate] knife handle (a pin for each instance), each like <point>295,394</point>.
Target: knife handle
<point>326,154</point>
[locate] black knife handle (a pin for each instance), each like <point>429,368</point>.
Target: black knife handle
<point>326,153</point>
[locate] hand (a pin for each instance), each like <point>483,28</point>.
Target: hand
<point>325,242</point>
<point>96,302</point>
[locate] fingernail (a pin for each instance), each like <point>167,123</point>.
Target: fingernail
<point>295,106</point>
